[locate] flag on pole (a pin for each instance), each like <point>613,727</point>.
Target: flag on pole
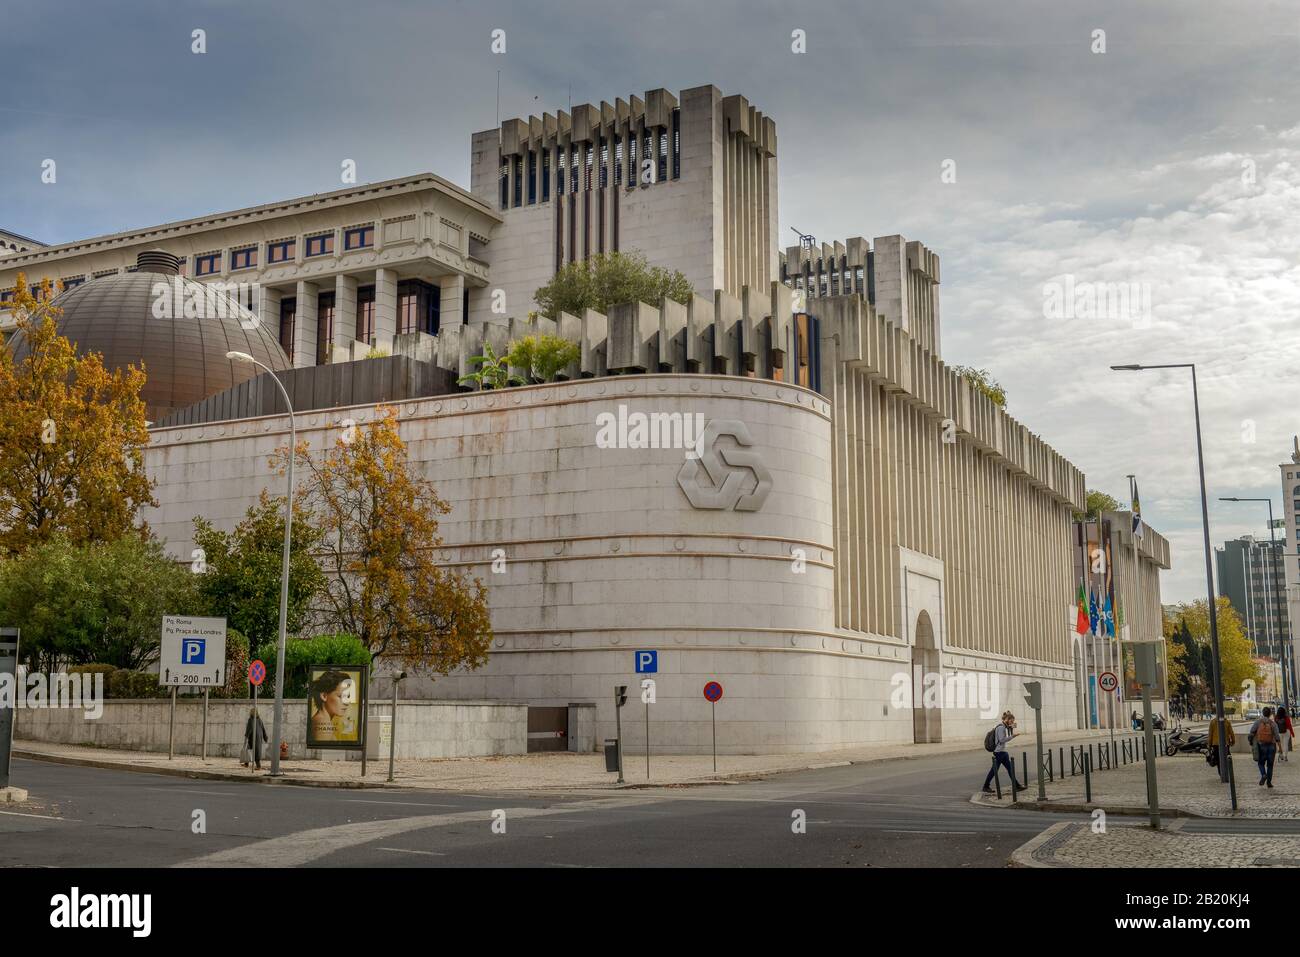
<point>1092,611</point>
<point>1108,618</point>
<point>1137,511</point>
<point>1081,623</point>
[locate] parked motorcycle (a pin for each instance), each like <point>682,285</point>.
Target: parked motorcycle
<point>1184,741</point>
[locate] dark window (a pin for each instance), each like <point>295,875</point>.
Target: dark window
<point>243,258</point>
<point>73,282</point>
<point>7,295</point>
<point>631,159</point>
<point>532,177</point>
<point>677,144</point>
<point>618,159</point>
<point>648,147</point>
<point>604,162</point>
<point>359,238</point>
<point>589,150</point>
<point>366,314</point>
<point>546,175</point>
<point>418,306</point>
<point>288,311</point>
<point>516,165</point>
<point>324,326</point>
<point>505,183</point>
<point>207,265</point>
<point>561,170</point>
<point>281,252</point>
<point>320,245</point>
<point>662,172</point>
<point>573,169</point>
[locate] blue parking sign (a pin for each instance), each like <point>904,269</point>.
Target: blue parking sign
<point>647,662</point>
<point>193,650</point>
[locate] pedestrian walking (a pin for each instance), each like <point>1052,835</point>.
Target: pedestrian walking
<point>1212,750</point>
<point>1264,738</point>
<point>1288,732</point>
<point>1000,734</point>
<point>254,737</point>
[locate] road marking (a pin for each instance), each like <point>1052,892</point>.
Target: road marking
<point>410,803</point>
<point>404,850</point>
<point>907,830</point>
<point>303,847</point>
<point>43,817</point>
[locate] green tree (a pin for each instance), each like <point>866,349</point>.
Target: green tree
<point>493,371</point>
<point>543,356</point>
<point>301,653</point>
<point>101,602</point>
<point>1234,646</point>
<point>242,580</point>
<point>984,382</point>
<point>1098,502</point>
<point>607,280</point>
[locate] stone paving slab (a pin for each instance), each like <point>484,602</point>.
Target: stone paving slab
<point>555,770</point>
<point>1076,844</point>
<point>1185,784</point>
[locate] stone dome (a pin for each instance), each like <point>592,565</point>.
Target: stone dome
<point>183,352</point>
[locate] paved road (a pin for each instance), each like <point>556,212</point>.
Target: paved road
<point>890,814</point>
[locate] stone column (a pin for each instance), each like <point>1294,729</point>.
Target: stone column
<point>385,307</point>
<point>345,312</point>
<point>268,310</point>
<point>305,326</point>
<point>451,310</point>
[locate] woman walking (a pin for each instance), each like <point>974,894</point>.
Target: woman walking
<point>1287,730</point>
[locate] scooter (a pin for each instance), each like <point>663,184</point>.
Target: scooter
<point>1186,741</point>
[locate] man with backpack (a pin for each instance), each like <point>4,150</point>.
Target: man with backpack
<point>996,741</point>
<point>1264,738</point>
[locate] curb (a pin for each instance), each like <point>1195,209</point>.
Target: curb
<point>1069,807</point>
<point>1040,851</point>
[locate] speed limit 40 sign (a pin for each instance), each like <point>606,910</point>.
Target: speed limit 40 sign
<point>1108,681</point>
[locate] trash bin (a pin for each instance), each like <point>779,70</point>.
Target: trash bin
<point>611,754</point>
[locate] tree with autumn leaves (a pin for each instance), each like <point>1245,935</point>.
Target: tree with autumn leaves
<point>72,438</point>
<point>379,532</point>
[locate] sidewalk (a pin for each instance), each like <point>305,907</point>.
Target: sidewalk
<point>1185,784</point>
<point>1075,844</point>
<point>531,772</point>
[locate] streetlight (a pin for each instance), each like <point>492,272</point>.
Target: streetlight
<point>1225,772</point>
<point>277,719</point>
<point>1285,639</point>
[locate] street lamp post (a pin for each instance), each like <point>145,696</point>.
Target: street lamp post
<point>1284,640</point>
<point>277,721</point>
<point>1225,772</point>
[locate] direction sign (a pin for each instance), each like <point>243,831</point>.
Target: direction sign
<point>713,691</point>
<point>193,652</point>
<point>1108,681</point>
<point>647,662</point>
<point>256,672</point>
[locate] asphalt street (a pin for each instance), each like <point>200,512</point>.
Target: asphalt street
<point>905,813</point>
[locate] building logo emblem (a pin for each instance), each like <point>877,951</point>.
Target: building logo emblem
<point>728,469</point>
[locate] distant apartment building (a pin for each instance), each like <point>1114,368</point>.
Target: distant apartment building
<point>1251,577</point>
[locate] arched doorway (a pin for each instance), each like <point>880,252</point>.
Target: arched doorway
<point>927,711</point>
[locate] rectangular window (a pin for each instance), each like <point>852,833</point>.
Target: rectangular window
<point>324,326</point>
<point>631,159</point>
<point>288,311</point>
<point>73,282</point>
<point>618,159</point>
<point>546,175</point>
<point>589,150</point>
<point>322,245</point>
<point>418,307</point>
<point>661,173</point>
<point>516,165</point>
<point>532,177</point>
<point>504,171</point>
<point>648,148</point>
<point>207,265</point>
<point>561,170</point>
<point>245,258</point>
<point>677,144</point>
<point>6,295</point>
<point>365,314</point>
<point>604,163</point>
<point>362,237</point>
<point>281,252</point>
<point>573,169</point>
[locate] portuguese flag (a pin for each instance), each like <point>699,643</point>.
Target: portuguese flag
<point>1082,624</point>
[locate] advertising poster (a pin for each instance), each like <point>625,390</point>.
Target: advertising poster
<point>336,706</point>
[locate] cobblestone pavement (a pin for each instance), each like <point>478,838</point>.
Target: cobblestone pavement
<point>1185,783</point>
<point>1076,844</point>
<point>530,772</point>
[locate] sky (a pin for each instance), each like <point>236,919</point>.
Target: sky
<point>1096,198</point>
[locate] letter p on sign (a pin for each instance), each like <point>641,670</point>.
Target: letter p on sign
<point>192,651</point>
<point>647,662</point>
